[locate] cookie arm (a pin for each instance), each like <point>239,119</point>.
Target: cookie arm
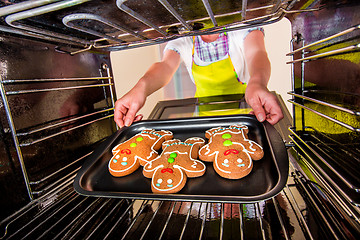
<point>151,166</point>
<point>254,149</point>
<point>206,154</point>
<point>195,169</point>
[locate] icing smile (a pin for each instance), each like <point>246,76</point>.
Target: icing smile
<point>169,182</point>
<point>225,163</point>
<point>239,160</point>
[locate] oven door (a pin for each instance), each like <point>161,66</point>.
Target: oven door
<point>215,106</point>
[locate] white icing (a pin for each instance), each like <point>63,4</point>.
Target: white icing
<point>148,166</point>
<point>192,159</point>
<point>217,164</point>
<point>232,130</point>
<point>132,165</point>
<point>168,189</point>
<point>124,159</point>
<point>148,135</point>
<point>169,181</point>
<point>175,166</point>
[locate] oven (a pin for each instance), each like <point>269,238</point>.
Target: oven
<point>57,104</point>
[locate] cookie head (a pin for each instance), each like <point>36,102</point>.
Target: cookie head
<point>137,150</point>
<point>169,171</point>
<point>233,163</point>
<point>231,151</point>
<point>168,180</point>
<point>123,163</point>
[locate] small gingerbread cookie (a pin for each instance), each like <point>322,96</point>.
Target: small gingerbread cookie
<point>170,170</point>
<point>136,151</point>
<point>231,151</point>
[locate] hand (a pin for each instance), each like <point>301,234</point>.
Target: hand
<point>126,108</point>
<point>264,104</point>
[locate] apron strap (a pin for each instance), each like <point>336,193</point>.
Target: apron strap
<point>227,42</point>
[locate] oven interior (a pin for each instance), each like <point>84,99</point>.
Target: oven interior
<point>57,105</point>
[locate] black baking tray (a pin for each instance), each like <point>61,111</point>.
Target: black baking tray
<point>268,177</point>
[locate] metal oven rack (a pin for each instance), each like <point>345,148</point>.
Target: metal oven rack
<point>38,133</point>
<point>63,214</point>
<point>319,124</point>
<point>147,30</point>
<point>298,212</point>
<point>57,211</point>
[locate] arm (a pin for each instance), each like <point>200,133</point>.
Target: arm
<point>157,76</point>
<point>261,100</point>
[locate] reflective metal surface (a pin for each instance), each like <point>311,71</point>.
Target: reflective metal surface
<point>81,25</point>
<point>54,108</point>
<point>54,119</point>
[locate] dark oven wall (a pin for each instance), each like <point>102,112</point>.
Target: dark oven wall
<point>326,99</point>
<point>326,64</point>
<point>55,109</point>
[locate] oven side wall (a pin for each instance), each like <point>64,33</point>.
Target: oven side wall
<point>326,100</point>
<point>332,77</point>
<point>56,116</point>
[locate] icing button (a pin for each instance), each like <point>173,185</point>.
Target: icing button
<point>173,155</point>
<point>227,143</point>
<point>171,160</point>
<point>226,136</point>
<point>133,145</point>
<point>139,139</point>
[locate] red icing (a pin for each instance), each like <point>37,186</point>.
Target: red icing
<point>126,151</point>
<point>234,151</point>
<point>167,170</point>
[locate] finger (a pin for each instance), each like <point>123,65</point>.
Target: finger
<point>274,113</point>
<point>119,114</point>
<point>275,117</point>
<point>258,110</point>
<point>130,117</point>
<point>138,118</point>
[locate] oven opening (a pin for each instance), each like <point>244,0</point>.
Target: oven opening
<point>63,64</point>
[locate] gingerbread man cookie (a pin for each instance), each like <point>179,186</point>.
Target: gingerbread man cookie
<point>231,151</point>
<point>170,170</point>
<point>136,151</point>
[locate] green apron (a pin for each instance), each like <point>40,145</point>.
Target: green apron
<point>218,78</point>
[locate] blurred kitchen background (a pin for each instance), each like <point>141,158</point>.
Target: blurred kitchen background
<point>130,65</point>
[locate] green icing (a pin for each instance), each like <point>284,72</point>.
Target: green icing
<point>226,136</point>
<point>227,143</point>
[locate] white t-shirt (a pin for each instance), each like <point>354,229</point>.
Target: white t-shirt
<point>184,45</point>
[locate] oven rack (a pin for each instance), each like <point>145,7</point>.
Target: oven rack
<point>310,52</point>
<point>62,213</point>
<point>354,112</point>
<point>145,31</point>
<point>337,173</point>
<point>321,123</point>
<point>32,136</point>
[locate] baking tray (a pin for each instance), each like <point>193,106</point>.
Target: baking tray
<point>268,177</point>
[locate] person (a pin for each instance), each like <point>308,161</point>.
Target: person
<point>223,63</point>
